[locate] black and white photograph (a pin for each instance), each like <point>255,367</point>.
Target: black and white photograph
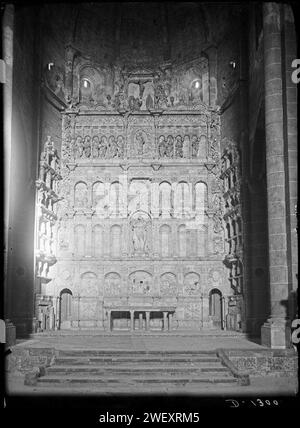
<point>150,235</point>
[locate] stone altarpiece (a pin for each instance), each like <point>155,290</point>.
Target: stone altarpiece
<point>140,230</point>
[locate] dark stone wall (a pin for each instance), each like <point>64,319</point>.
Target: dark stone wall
<point>23,172</point>
<point>255,195</point>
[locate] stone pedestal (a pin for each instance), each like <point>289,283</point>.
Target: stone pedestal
<point>276,334</point>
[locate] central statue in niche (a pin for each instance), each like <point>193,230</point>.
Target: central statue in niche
<point>140,228</point>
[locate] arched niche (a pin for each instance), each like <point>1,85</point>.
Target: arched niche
<point>80,195</point>
<point>168,284</point>
<point>140,282</point>
<point>139,196</point>
<point>97,240</point>
<point>182,201</point>
<point>112,284</point>
<point>98,193</point>
<point>79,240</point>
<point>65,308</point>
<point>165,238</point>
<point>200,200</point>
<point>216,307</point>
<point>88,284</point>
<point>115,240</point>
<point>165,199</point>
<point>115,198</point>
<point>182,240</point>
<point>192,283</point>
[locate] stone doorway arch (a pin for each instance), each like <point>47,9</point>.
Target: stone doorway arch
<point>216,308</point>
<point>65,308</point>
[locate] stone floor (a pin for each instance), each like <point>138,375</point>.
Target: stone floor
<point>175,341</point>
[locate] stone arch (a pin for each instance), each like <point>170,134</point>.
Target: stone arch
<point>98,192</point>
<point>216,307</point>
<point>165,243</point>
<point>115,240</point>
<point>168,284</point>
<point>200,192</point>
<point>115,198</point>
<point>112,284</point>
<point>80,195</point>
<point>80,240</point>
<point>165,198</point>
<point>65,308</point>
<point>182,241</point>
<point>97,240</point>
<point>182,202</point>
<point>140,282</point>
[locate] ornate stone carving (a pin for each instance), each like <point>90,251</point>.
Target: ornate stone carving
<point>112,284</point>
<point>140,227</point>
<point>192,283</point>
<point>168,284</point>
<point>140,282</point>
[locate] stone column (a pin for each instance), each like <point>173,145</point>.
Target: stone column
<point>140,321</point>
<point>109,320</point>
<point>275,332</point>
<point>165,324</point>
<point>131,320</point>
<point>170,320</point>
<point>147,320</point>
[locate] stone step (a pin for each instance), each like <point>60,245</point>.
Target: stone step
<point>132,352</point>
<point>141,370</point>
<point>132,380</point>
<point>118,359</point>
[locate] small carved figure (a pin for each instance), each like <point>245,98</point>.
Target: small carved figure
<point>87,146</point>
<point>79,146</point>
<point>170,146</point>
<point>95,146</point>
<point>112,147</point>
<point>120,145</point>
<point>195,146</point>
<point>139,237</point>
<point>102,147</point>
<point>162,146</point>
<point>186,146</point>
<point>179,147</point>
<point>139,143</point>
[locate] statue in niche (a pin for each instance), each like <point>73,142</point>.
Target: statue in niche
<point>134,104</point>
<point>140,144</point>
<point>139,229</point>
<point>186,146</point>
<point>170,146</point>
<point>162,146</point>
<point>149,102</point>
<point>195,146</point>
<point>95,146</point>
<point>111,147</point>
<point>79,147</point>
<point>87,146</point>
<point>178,147</point>
<point>139,237</point>
<point>120,146</point>
<point>102,147</point>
